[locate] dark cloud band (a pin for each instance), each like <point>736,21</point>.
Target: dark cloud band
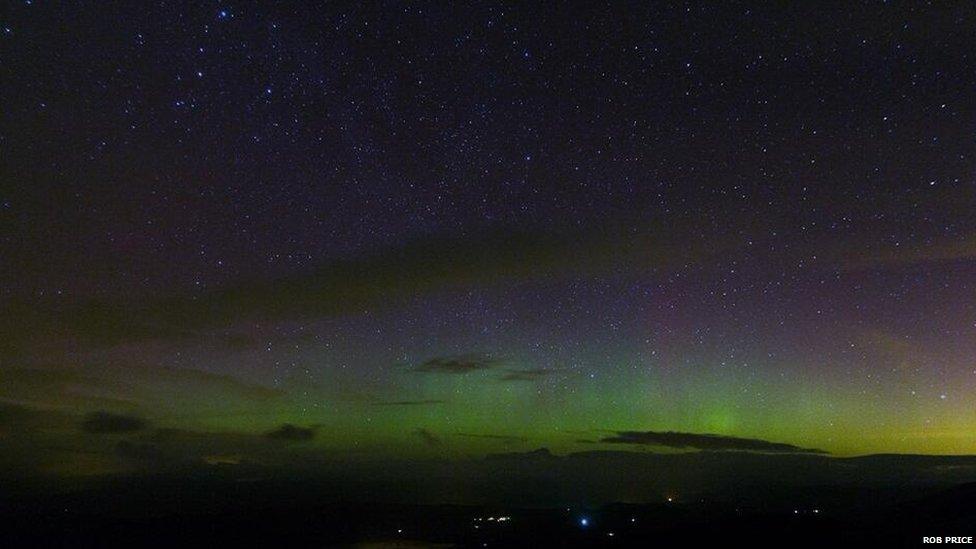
<point>672,439</point>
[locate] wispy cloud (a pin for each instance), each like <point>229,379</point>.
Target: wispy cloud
<point>944,250</point>
<point>106,422</point>
<point>122,388</point>
<point>336,288</point>
<point>409,402</point>
<point>461,364</point>
<point>508,439</point>
<point>289,432</point>
<point>672,439</point>
<point>527,375</point>
<point>428,437</point>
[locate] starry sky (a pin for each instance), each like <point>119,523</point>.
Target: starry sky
<point>432,229</point>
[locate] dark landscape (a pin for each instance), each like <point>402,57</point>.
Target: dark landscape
<point>614,499</point>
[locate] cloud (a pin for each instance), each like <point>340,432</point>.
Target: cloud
<point>291,432</point>
<point>395,275</point>
<point>526,375</point>
<point>107,422</point>
<point>209,383</point>
<point>461,364</point>
<point>698,441</point>
<point>64,388</point>
<point>382,279</point>
<point>124,387</point>
<point>281,445</point>
<point>139,451</point>
<point>871,256</point>
<point>508,439</point>
<point>409,402</point>
<point>16,418</point>
<point>428,437</point>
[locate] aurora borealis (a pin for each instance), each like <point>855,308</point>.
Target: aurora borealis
<point>234,232</point>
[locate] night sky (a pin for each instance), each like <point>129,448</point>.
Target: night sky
<point>412,229</point>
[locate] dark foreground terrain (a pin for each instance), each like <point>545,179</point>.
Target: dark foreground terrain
<point>221,513</point>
